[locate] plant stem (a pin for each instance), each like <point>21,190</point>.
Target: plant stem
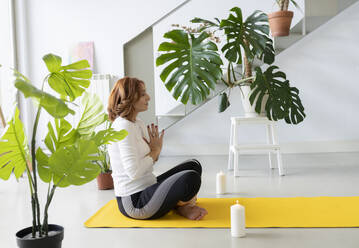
<point>33,143</point>
<point>247,64</point>
<point>244,80</point>
<point>285,4</point>
<point>48,201</point>
<point>33,207</point>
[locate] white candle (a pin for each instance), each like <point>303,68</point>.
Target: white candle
<point>221,183</point>
<point>238,222</point>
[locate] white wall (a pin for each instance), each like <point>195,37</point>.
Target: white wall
<point>54,26</point>
<point>206,9</point>
<point>324,66</point>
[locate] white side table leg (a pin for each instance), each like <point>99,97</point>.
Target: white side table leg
<point>270,141</point>
<point>279,156</point>
<point>280,163</point>
<point>236,152</point>
<point>230,153</point>
<point>236,165</point>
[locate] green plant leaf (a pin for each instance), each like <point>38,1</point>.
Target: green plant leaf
<point>64,136</point>
<point>93,114</point>
<point>69,81</point>
<point>109,135</point>
<point>223,102</point>
<point>75,164</point>
<point>283,100</point>
<point>54,106</point>
<point>206,23</point>
<point>250,35</point>
<point>43,166</point>
<point>14,150</point>
<point>53,62</point>
<point>192,65</point>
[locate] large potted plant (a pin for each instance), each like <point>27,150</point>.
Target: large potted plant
<point>71,151</point>
<point>279,21</point>
<point>193,65</point>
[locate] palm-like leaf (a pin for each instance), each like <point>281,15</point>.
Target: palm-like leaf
<point>283,100</point>
<point>105,137</point>
<point>206,23</point>
<point>223,102</point>
<point>64,135</point>
<point>92,116</point>
<point>54,106</point>
<point>70,165</point>
<point>69,81</point>
<point>14,151</point>
<point>251,35</point>
<point>194,66</point>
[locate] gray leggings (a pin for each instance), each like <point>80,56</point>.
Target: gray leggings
<point>180,183</point>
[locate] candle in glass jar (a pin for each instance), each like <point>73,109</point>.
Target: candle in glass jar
<point>221,183</point>
<point>238,222</point>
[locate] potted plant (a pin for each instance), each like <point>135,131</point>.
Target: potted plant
<point>280,21</point>
<point>104,179</point>
<point>193,65</point>
<point>70,151</point>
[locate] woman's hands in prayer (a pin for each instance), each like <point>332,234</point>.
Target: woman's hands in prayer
<point>155,142</point>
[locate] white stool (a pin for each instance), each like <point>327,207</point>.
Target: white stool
<point>271,146</point>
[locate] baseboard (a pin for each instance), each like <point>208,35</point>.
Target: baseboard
<point>297,147</point>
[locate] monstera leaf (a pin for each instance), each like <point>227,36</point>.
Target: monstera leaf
<point>70,165</point>
<point>54,106</point>
<point>105,137</point>
<point>69,81</point>
<point>64,135</point>
<point>251,35</point>
<point>92,116</point>
<point>223,102</point>
<point>14,151</point>
<point>283,100</point>
<point>194,66</point>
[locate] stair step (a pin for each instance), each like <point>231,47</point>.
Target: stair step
<point>284,42</point>
<point>254,147</point>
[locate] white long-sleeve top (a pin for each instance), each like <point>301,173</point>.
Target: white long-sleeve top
<point>131,166</point>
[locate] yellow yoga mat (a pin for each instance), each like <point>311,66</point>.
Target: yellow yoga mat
<point>260,212</point>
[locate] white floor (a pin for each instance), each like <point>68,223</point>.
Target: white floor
<point>332,174</point>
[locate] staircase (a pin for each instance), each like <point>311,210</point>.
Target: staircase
<point>316,13</point>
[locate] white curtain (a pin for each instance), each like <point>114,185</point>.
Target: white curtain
<point>7,89</point>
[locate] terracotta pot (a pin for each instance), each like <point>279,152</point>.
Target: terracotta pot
<point>279,22</point>
<point>53,240</point>
<point>105,181</point>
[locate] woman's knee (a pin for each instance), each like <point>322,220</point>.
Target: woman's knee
<point>191,180</point>
<point>196,165</point>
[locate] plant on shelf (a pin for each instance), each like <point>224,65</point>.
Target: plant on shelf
<point>193,65</point>
<point>71,151</point>
<point>280,21</point>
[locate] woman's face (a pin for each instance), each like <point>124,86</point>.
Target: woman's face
<point>142,103</point>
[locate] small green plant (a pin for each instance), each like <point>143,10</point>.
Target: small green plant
<point>283,4</point>
<point>71,151</point>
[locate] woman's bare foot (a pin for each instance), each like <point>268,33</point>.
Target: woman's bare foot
<point>192,212</point>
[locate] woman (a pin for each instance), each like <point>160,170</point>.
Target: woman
<point>140,194</point>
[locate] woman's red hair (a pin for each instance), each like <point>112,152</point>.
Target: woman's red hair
<point>124,94</point>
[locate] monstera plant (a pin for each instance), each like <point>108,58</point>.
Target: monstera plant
<point>192,64</point>
<point>71,151</point>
